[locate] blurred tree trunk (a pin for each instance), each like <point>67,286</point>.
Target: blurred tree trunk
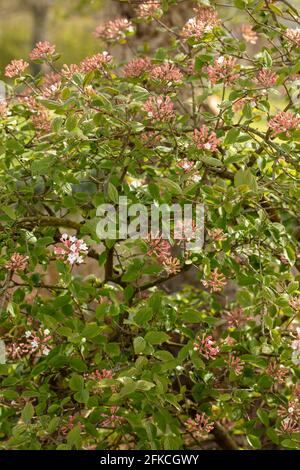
<point>39,10</point>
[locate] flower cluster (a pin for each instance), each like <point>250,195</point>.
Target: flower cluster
<point>206,20</point>
<point>217,234</point>
<point>161,248</point>
<point>186,165</point>
<point>172,265</point>
<point>73,249</point>
<point>100,375</point>
<point>166,72</point>
<point>290,415</point>
<point>222,70</point>
<point>16,68</point>
<point>235,364</point>
<point>17,262</point>
<point>112,420</point>
<point>51,85</point>
<point>206,346</point>
<point>284,122</point>
<point>184,230</point>
<point>95,62</point>
<point>68,71</point>
<point>236,317</point>
<point>215,282</point>
<point>114,30</point>
<point>248,34</point>
<point>34,343</point>
<point>266,78</point>
<point>43,50</point>
<point>200,426</point>
<point>40,116</point>
<point>288,426</point>
<point>293,36</point>
<point>73,420</point>
<point>159,108</point>
<point>206,140</point>
<point>136,67</point>
<point>147,8</point>
<point>150,139</point>
<point>277,371</point>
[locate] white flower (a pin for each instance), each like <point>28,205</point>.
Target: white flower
<point>72,258</point>
<point>296,345</point>
<point>207,146</point>
<point>196,178</point>
<point>28,334</point>
<point>296,357</point>
<point>83,246</point>
<point>46,351</point>
<point>34,344</point>
<point>46,332</point>
<point>73,248</point>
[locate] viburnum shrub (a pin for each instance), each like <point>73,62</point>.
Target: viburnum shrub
<point>97,350</point>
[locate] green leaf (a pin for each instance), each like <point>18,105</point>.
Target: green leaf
<point>78,364</point>
<point>91,330</point>
<point>74,438</point>
<point>165,356</point>
<point>263,416</point>
<point>191,316</point>
<point>41,167</point>
<point>113,193</point>
<point>156,337</point>
<point>211,161</point>
<point>139,345</point>
<point>53,425</point>
<point>76,383</point>
<point>231,136</point>
<point>247,111</point>
<point>290,444</point>
<point>82,396</point>
<point>143,316</point>
<point>71,123</point>
<point>128,389</point>
<point>9,211</point>
<point>267,59</point>
<point>144,385</point>
<point>272,435</point>
<point>254,441</point>
<point>245,178</point>
<point>170,186</point>
<point>27,413</point>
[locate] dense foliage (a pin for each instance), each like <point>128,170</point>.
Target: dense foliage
<point>97,351</point>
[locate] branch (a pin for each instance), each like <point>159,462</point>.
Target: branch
<point>223,439</point>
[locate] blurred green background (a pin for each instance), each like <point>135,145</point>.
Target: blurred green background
<point>66,23</point>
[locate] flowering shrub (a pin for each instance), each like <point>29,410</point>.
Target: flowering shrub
<point>101,352</point>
